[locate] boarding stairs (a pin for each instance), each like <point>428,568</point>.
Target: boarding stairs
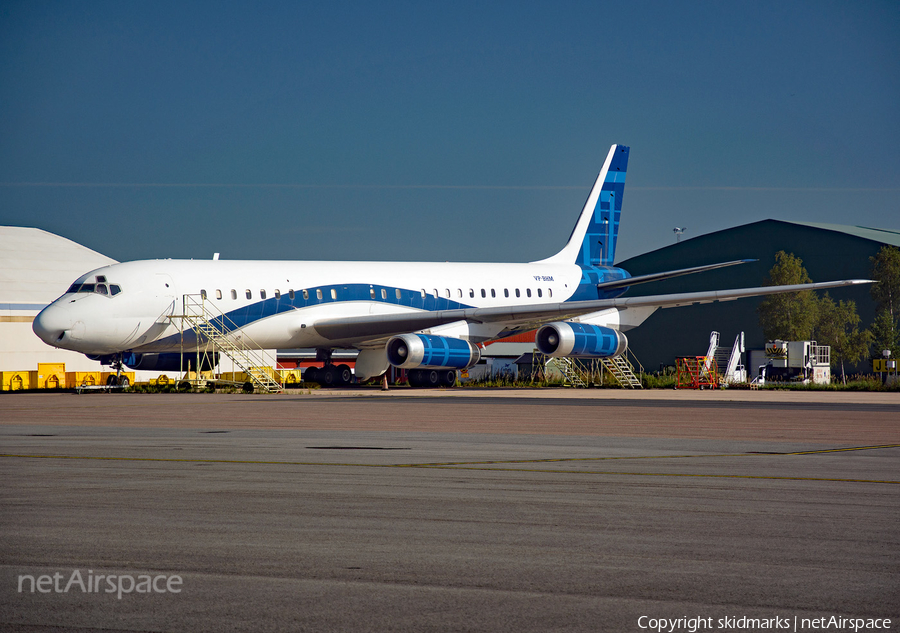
<point>572,374</point>
<point>623,371</point>
<point>215,328</point>
<point>727,360</point>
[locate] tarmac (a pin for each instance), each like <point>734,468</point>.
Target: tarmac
<point>450,510</point>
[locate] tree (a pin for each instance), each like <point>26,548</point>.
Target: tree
<point>885,335</point>
<point>886,293</point>
<point>886,271</point>
<point>838,327</point>
<point>789,316</point>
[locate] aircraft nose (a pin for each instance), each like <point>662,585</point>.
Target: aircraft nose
<point>52,324</point>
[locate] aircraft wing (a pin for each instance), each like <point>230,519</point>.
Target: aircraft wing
<point>376,326</point>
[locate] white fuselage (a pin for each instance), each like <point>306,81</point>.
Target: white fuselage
<point>277,303</point>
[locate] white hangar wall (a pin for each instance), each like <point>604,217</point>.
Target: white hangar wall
<point>36,267</point>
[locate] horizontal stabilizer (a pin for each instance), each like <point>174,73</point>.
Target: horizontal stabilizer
<point>643,279</point>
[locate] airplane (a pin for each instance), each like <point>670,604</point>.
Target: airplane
<point>427,318</point>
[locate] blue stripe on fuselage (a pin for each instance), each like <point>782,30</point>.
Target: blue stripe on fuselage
<point>245,315</point>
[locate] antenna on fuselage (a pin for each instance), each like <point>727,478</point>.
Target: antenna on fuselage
<point>678,230</point>
<point>215,257</point>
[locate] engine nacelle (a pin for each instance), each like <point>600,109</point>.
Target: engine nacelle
<point>424,350</point>
<point>565,338</point>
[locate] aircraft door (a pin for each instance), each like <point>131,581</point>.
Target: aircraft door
<point>164,288</point>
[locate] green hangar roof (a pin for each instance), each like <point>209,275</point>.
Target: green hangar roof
<point>883,236</point>
<point>829,252</point>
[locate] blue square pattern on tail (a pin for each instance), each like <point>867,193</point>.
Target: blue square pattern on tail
<point>599,246</point>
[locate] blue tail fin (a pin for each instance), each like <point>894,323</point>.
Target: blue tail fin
<point>593,240</point>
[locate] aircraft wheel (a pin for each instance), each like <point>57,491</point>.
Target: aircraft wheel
<point>111,380</point>
<point>124,382</point>
<point>447,377</point>
<point>184,387</point>
<point>248,387</point>
<point>328,376</point>
<point>344,375</point>
<point>432,378</point>
<point>414,377</point>
<point>311,374</point>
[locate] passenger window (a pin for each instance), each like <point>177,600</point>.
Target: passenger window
<point>372,293</point>
<point>448,292</point>
<point>493,293</point>
<point>506,292</point>
<point>517,293</point>
<point>436,295</point>
<point>114,289</point>
<point>333,293</point>
<point>471,293</point>
<point>277,294</point>
<point>528,292</point>
<point>262,294</point>
<point>483,293</point>
<point>549,292</point>
<point>218,294</point>
<point>248,293</point>
<point>202,293</point>
<point>102,289</point>
<point>459,292</point>
<point>319,293</point>
<point>291,294</point>
<point>233,293</point>
<point>539,292</point>
<point>384,294</point>
<point>306,294</point>
<point>423,293</point>
<point>397,292</point>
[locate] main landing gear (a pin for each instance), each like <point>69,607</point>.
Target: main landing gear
<point>329,375</point>
<point>431,378</point>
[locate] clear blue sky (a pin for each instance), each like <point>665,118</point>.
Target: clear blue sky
<point>439,131</point>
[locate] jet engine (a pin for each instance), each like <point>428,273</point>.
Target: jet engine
<point>565,338</point>
<point>423,350</point>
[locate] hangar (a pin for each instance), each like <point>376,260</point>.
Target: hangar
<point>36,267</point>
<point>828,251</point>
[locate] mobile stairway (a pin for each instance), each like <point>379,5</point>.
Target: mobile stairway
<point>619,367</point>
<point>622,370</point>
<point>727,360</point>
<point>217,333</point>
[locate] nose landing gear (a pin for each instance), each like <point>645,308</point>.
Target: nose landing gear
<point>118,380</point>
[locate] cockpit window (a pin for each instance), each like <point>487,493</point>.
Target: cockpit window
<point>100,289</point>
<point>101,279</point>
